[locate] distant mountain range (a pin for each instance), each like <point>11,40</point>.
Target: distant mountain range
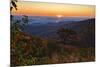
<point>50,29</point>
<point>47,27</point>
<point>41,20</point>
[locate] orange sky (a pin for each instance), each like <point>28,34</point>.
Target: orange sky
<point>53,9</point>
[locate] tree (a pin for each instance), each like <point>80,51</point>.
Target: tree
<point>25,19</point>
<point>13,4</point>
<point>64,34</point>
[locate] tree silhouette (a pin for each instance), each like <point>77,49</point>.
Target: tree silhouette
<point>13,4</point>
<point>64,34</point>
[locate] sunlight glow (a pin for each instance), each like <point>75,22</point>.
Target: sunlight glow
<point>53,9</point>
<point>59,16</point>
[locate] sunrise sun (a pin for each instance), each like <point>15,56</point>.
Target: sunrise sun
<point>59,16</point>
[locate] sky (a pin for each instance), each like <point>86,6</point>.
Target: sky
<point>53,9</point>
<point>89,2</point>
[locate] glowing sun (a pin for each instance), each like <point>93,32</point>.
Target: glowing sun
<point>59,16</point>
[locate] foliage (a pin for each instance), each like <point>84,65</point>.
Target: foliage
<point>31,50</point>
<point>13,4</point>
<point>65,34</point>
<point>25,19</point>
